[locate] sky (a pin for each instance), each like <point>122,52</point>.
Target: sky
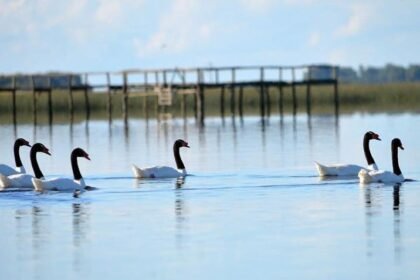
<point>114,35</point>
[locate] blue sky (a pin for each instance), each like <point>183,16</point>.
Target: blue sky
<point>99,35</point>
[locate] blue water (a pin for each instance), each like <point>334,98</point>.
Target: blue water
<point>253,207</point>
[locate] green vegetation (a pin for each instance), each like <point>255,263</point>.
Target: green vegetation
<point>395,97</point>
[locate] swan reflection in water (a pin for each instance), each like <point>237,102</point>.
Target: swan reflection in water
<point>373,196</point>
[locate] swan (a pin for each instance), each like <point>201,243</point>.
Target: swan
<point>25,180</point>
<point>351,169</point>
<point>164,171</point>
<point>7,170</point>
<point>65,184</point>
<point>382,176</point>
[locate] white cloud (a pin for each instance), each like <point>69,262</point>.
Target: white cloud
<point>360,17</point>
<point>314,39</point>
<point>258,5</point>
<point>178,30</point>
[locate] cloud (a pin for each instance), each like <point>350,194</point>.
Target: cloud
<point>180,28</point>
<point>258,5</point>
<point>360,17</point>
<point>314,39</point>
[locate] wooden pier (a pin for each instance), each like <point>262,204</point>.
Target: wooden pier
<point>165,84</point>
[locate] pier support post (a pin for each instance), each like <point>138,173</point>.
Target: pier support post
<point>241,99</point>
<point>336,101</point>
<point>280,86</point>
<point>87,103</point>
<point>200,104</point>
<point>294,92</point>
<point>109,92</point>
<point>195,102</point>
<point>262,101</point>
<point>14,98</point>
<point>222,101</point>
<point>232,92</point>
<point>50,111</point>
<point>184,97</point>
<point>268,100</point>
<point>232,99</point>
<point>281,99</point>
<point>125,99</point>
<point>34,100</point>
<point>308,92</point>
<point>70,101</point>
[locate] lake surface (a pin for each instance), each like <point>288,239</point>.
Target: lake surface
<point>252,209</point>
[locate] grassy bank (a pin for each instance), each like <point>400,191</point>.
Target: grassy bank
<point>353,98</point>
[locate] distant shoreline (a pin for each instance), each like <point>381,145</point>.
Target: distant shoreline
<point>367,98</point>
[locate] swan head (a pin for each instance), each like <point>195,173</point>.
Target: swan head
<point>396,142</point>
<point>22,142</point>
<point>181,143</point>
<point>39,147</point>
<point>79,152</point>
<point>373,135</point>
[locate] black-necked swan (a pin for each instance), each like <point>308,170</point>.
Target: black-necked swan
<point>25,180</point>
<point>164,171</point>
<point>351,169</point>
<point>65,184</point>
<point>382,176</point>
<point>7,170</point>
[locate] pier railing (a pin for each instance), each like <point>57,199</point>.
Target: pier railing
<point>166,83</point>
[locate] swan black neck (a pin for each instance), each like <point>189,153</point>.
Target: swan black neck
<point>395,164</point>
<point>34,162</point>
<point>16,148</point>
<point>366,149</point>
<point>178,160</point>
<point>75,166</point>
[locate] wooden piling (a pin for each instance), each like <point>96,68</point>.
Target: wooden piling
<point>125,99</point>
<point>109,92</point>
<point>200,98</point>
<point>184,98</point>
<point>232,93</point>
<point>262,102</point>
<point>200,104</point>
<point>70,101</point>
<point>268,100</point>
<point>240,101</point>
<point>34,99</point>
<point>87,103</point>
<point>280,99</point>
<point>336,101</point>
<point>294,92</point>
<point>308,92</point>
<point>280,87</point>
<point>222,101</point>
<point>14,99</point>
<point>50,111</point>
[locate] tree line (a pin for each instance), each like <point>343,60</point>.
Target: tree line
<point>56,80</point>
<point>367,74</point>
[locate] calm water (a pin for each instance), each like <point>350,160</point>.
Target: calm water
<point>253,209</point>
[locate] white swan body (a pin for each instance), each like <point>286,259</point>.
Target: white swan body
<point>25,180</point>
<point>65,184</point>
<point>16,181</point>
<point>342,169</point>
<point>164,171</point>
<point>58,184</point>
<point>157,172</point>
<point>350,169</point>
<point>380,176</point>
<point>7,170</point>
